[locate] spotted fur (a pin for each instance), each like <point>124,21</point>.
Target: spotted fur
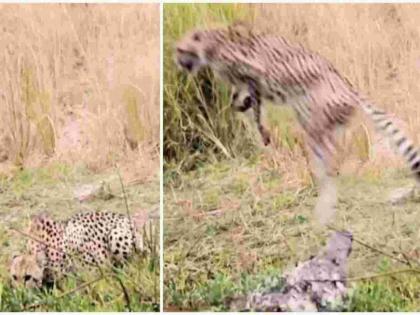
<point>268,67</point>
<point>86,239</point>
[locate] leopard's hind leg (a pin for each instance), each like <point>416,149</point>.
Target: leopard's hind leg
<point>325,153</point>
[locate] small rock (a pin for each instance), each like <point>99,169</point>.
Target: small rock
<point>93,191</point>
<point>404,194</point>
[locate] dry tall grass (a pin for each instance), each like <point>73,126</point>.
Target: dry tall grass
<point>377,46</point>
<point>80,83</point>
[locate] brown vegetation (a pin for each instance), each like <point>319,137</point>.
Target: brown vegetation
<point>80,83</point>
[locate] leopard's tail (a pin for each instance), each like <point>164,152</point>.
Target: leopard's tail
<point>401,143</point>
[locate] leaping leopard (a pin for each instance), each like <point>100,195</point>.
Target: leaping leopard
<point>267,67</point>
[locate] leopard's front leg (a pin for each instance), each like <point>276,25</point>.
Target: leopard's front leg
<point>243,100</point>
<point>256,107</point>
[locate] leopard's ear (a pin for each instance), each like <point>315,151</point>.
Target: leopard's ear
<point>13,261</point>
<point>41,258</point>
<point>38,220</point>
<point>241,29</point>
<point>15,255</point>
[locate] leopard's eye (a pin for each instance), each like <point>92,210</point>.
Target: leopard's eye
<point>248,102</point>
<point>27,278</point>
<point>196,37</point>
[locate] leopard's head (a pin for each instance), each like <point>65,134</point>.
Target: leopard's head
<point>197,49</point>
<point>27,271</point>
<point>200,48</point>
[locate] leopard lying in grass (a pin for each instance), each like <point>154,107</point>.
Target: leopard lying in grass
<point>54,248</point>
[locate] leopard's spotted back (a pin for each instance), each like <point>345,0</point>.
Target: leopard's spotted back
<point>107,235</point>
<point>88,238</point>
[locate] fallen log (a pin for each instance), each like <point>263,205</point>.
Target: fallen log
<point>318,284</point>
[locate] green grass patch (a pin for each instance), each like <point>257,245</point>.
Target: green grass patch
<point>230,228</point>
<point>102,295</point>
